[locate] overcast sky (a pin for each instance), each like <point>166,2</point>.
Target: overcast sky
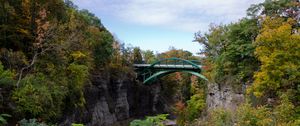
<point>160,24</point>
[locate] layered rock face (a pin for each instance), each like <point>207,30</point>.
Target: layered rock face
<point>223,96</point>
<point>110,100</point>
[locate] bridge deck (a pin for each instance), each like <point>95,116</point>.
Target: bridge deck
<point>166,66</point>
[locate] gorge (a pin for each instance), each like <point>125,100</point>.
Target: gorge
<point>60,65</point>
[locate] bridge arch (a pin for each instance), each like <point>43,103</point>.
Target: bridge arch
<point>149,72</point>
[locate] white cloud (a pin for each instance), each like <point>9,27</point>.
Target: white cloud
<point>187,15</point>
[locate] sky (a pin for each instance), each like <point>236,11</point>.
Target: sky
<point>158,25</point>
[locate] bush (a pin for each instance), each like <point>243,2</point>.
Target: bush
<point>3,118</point>
<point>285,113</point>
<point>74,124</point>
<point>282,114</point>
<point>31,122</point>
<point>220,117</point>
<point>180,111</point>
<point>150,121</point>
<point>195,106</point>
<point>38,97</point>
<point>284,110</point>
<point>6,77</point>
<point>250,116</point>
<point>191,111</point>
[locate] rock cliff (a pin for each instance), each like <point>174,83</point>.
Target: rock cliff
<point>112,99</point>
<point>223,96</point>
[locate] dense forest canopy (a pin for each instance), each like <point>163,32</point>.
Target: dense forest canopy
<point>260,52</point>
<point>49,50</point>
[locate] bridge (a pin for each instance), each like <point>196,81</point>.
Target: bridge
<point>151,72</point>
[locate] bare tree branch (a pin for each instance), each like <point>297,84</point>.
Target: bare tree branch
<point>27,67</point>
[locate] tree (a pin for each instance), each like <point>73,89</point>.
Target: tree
<point>149,56</point>
<point>229,52</point>
<point>15,31</point>
<point>179,53</point>
<point>276,8</point>
<point>52,47</point>
<point>137,56</point>
<point>278,50</point>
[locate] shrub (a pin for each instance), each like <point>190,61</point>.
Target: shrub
<point>250,116</point>
<point>180,111</point>
<point>3,118</point>
<point>31,122</point>
<point>6,77</point>
<point>74,124</point>
<point>285,113</point>
<point>220,117</point>
<point>150,121</point>
<point>37,96</point>
<point>195,106</point>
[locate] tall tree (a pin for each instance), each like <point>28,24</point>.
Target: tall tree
<point>137,55</point>
<point>229,53</point>
<point>278,50</point>
<point>148,56</point>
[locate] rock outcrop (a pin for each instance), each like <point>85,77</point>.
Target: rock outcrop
<point>222,96</point>
<point>110,100</point>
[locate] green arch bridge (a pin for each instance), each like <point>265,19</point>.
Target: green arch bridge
<point>151,72</point>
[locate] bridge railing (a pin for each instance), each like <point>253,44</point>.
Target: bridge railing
<point>176,61</point>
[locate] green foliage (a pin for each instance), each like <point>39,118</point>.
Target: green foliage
<point>137,55</point>
<point>141,123</point>
<point>13,36</point>
<point>31,122</point>
<point>275,8</point>
<point>185,85</point>
<point>149,56</point>
<point>179,53</point>
<point>189,102</point>
<point>3,117</point>
<point>265,49</point>
<point>77,78</point>
<point>281,115</point>
<point>229,52</point>
<point>6,77</point>
<point>247,115</point>
<point>55,46</point>
<point>70,43</point>
<point>195,106</point>
<point>180,111</point>
<point>285,112</point>
<point>250,116</point>
<point>12,60</point>
<point>278,50</point>
<point>150,121</point>
<point>38,97</point>
<point>20,21</point>
<point>120,60</point>
<point>220,117</point>
<point>103,48</point>
<point>74,124</point>
<point>187,113</point>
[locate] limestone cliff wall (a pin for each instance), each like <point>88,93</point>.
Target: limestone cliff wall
<point>223,96</point>
<point>110,100</point>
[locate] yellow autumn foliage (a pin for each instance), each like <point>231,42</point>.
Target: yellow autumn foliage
<point>278,50</point>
